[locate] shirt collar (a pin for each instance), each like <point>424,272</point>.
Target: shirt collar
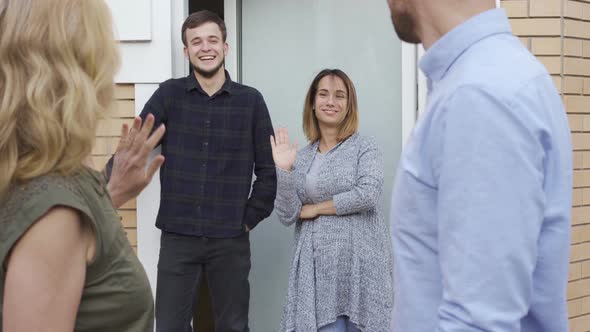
<point>192,83</point>
<point>441,56</point>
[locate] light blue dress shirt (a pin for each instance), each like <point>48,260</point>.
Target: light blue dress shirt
<point>481,206</point>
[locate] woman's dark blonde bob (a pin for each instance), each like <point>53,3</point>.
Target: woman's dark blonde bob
<point>349,125</point>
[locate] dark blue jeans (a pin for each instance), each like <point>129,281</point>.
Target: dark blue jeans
<point>342,324</point>
<point>183,260</point>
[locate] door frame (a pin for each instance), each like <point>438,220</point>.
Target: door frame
<point>413,103</point>
<point>411,89</point>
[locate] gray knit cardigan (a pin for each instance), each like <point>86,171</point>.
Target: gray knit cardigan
<point>342,264</point>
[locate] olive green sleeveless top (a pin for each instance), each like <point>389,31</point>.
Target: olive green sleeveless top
<point>116,295</point>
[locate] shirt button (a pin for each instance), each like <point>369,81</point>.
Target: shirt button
<point>207,123</point>
<point>203,165</point>
<point>205,144</point>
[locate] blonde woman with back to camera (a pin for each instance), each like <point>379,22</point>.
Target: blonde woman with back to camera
<point>341,277</point>
<point>66,262</point>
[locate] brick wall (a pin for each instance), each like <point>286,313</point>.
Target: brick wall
<point>558,33</point>
<point>107,138</point>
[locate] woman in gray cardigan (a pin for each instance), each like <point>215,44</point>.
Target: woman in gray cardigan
<point>341,272</point>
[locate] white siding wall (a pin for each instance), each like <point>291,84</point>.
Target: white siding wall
<point>144,29</point>
<point>148,45</point>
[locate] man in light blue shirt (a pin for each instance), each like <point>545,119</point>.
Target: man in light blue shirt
<point>481,206</point>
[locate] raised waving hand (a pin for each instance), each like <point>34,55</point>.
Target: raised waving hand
<point>283,152</point>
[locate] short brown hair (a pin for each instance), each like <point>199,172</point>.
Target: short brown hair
<point>199,18</point>
<point>349,125</point>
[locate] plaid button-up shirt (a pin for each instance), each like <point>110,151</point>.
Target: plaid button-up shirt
<point>212,144</point>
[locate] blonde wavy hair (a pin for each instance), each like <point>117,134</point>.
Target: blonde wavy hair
<point>58,59</point>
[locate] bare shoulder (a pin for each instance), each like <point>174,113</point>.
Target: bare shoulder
<point>56,236</point>
<point>45,273</point>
